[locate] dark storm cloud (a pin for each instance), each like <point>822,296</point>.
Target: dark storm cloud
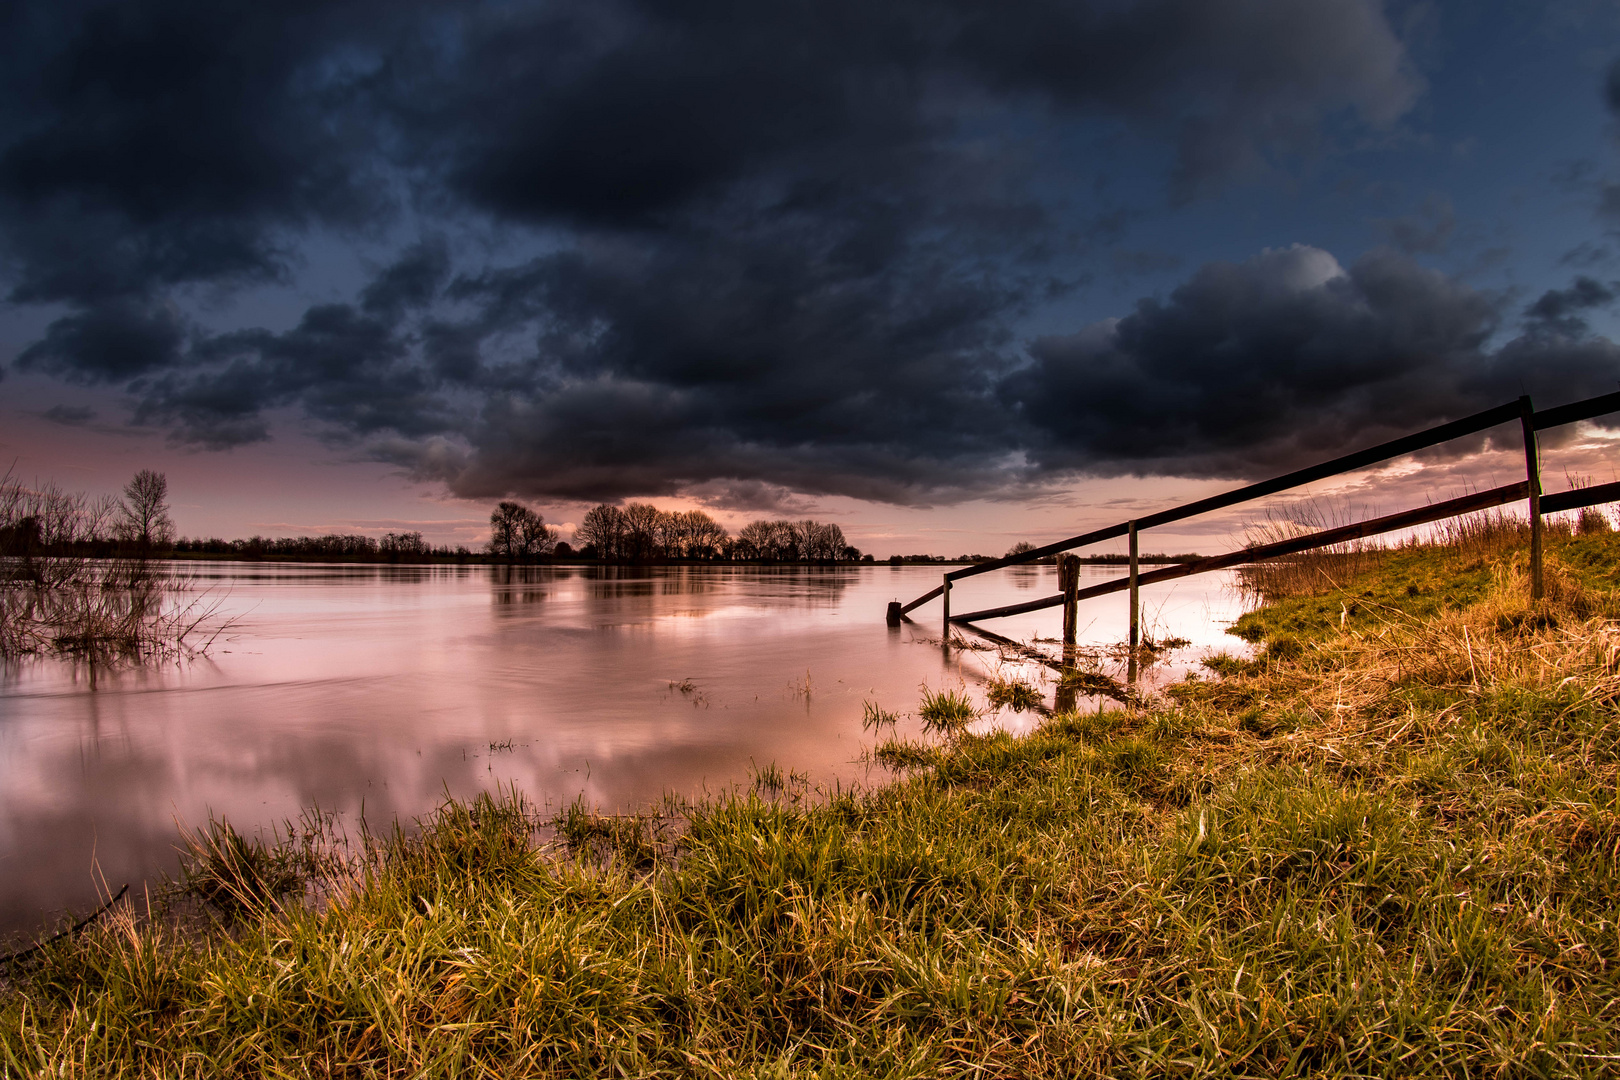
<point>801,360</point>
<point>411,282</point>
<point>607,373</point>
<point>1251,368</point>
<point>167,138</point>
<point>185,141</point>
<point>625,113</point>
<point>1558,310</point>
<point>340,366</point>
<point>783,242</point>
<point>113,341</point>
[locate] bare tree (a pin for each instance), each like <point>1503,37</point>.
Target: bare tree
<point>405,543</point>
<point>602,528</point>
<point>822,541</point>
<point>704,536</point>
<point>777,540</point>
<point>535,537</point>
<point>516,532</point>
<point>144,511</point>
<point>789,541</point>
<point>55,595</point>
<point>690,534</point>
<point>641,527</point>
<point>44,531</point>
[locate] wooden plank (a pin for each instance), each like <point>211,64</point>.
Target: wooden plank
<point>1360,459</point>
<point>1096,536</point>
<point>1579,497</point>
<point>923,599</point>
<point>1589,409</point>
<point>1019,609</point>
<point>1468,504</point>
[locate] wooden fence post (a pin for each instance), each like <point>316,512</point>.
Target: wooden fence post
<point>945,598</point>
<point>1532,475</point>
<point>1069,586</point>
<point>893,616</point>
<point>1136,606</point>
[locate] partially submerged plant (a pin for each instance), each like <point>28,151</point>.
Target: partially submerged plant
<point>221,867</point>
<point>635,841</point>
<point>1015,694</point>
<point>874,718</point>
<point>946,711</point>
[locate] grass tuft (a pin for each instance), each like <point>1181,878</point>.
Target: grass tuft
<point>946,711</point>
<point>1014,694</point>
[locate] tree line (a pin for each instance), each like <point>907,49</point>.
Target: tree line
<point>638,532</point>
<point>45,521</point>
<point>402,545</point>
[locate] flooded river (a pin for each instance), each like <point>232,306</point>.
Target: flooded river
<point>380,689</point>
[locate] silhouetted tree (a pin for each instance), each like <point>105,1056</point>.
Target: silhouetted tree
<point>776,540</point>
<point>143,512</point>
<point>405,543</point>
<point>691,534</point>
<point>818,540</point>
<point>641,528</point>
<point>516,532</point>
<point>705,537</point>
<point>602,529</point>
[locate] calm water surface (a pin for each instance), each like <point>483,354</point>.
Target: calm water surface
<point>380,689</point>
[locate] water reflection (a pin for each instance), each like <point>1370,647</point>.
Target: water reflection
<point>1024,576</point>
<point>518,584</point>
<point>385,687</point>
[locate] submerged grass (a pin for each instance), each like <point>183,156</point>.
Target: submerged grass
<point>1015,694</point>
<point>1390,849</point>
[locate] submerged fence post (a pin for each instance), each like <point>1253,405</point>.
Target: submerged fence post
<point>1069,586</point>
<point>893,616</point>
<point>1136,606</point>
<point>945,599</point>
<point>1532,474</point>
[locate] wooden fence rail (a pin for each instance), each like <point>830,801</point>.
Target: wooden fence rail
<point>1528,489</point>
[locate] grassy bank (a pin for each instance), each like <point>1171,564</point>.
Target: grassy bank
<point>1388,847</point>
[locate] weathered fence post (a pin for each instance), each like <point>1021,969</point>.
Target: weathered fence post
<point>893,615</point>
<point>1069,586</point>
<point>1068,689</point>
<point>1532,475</point>
<point>1136,630</point>
<point>945,598</point>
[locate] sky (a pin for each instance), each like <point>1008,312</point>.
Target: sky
<point>950,274</point>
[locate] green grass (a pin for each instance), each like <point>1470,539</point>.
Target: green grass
<point>1424,581</point>
<point>1391,851</point>
<point>1015,694</point>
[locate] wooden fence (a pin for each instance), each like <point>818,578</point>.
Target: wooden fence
<point>1528,490</point>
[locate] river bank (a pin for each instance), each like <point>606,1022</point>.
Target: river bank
<point>1387,845</point>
